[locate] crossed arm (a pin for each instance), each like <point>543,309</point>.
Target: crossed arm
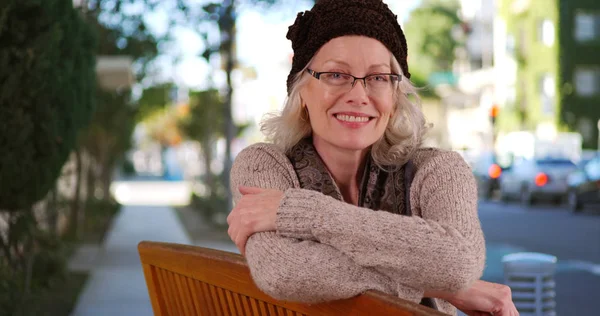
<point>322,249</point>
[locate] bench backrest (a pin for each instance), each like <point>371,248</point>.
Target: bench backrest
<point>190,280</point>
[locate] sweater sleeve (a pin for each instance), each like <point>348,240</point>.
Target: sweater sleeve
<point>299,270</point>
<point>444,249</point>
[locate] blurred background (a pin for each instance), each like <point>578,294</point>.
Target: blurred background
<point>119,120</point>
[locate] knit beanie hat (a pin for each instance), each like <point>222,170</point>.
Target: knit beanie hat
<point>329,19</point>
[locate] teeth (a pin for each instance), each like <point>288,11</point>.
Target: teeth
<point>349,118</point>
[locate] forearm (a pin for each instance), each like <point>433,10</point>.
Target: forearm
<point>444,295</point>
<point>404,248</point>
<point>310,272</point>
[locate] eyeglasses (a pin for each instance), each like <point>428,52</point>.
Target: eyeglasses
<point>341,83</point>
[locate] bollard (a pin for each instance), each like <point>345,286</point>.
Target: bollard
<point>530,277</point>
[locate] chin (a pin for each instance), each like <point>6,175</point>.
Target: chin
<point>353,143</point>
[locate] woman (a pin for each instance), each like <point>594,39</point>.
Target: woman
<point>321,212</point>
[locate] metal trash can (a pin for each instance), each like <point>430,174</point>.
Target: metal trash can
<point>530,277</point>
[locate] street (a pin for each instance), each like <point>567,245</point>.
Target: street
<point>573,238</point>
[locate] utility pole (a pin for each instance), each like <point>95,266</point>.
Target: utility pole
<point>493,115</point>
<point>227,27</point>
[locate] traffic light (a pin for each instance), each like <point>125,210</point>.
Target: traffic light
<point>494,113</point>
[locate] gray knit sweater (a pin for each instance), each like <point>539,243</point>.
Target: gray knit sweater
<point>325,249</point>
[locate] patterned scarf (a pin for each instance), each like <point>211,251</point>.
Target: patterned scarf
<point>379,189</point>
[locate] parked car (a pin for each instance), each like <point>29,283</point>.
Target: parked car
<point>584,185</point>
<point>487,170</point>
<point>535,179</point>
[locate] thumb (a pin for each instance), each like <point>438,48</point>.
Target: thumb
<point>249,190</point>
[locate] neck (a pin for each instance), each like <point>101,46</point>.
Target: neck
<point>345,166</point>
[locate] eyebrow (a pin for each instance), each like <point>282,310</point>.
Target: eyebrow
<point>343,63</point>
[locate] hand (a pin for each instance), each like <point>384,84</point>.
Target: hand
<point>484,298</point>
<point>255,212</point>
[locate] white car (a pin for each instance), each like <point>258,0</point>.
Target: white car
<point>531,180</point>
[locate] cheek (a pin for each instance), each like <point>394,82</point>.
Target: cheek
<point>386,108</point>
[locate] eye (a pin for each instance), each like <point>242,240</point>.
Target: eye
<point>335,76</point>
<point>379,78</point>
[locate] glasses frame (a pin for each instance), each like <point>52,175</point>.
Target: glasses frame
<point>317,75</point>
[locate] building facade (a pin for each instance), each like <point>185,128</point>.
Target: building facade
<point>547,56</point>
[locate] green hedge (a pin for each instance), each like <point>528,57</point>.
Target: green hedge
<point>47,79</point>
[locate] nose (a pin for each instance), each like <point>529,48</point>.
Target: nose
<point>358,93</point>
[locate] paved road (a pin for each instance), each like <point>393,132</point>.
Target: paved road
<point>573,238</point>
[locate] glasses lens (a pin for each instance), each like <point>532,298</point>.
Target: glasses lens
<point>336,79</point>
<point>381,83</point>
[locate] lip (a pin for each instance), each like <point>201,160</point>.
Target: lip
<point>356,114</point>
<point>353,125</point>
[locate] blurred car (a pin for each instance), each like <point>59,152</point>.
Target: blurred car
<point>531,180</point>
<point>487,171</point>
<point>584,185</point>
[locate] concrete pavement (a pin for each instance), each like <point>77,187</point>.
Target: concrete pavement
<point>116,285</point>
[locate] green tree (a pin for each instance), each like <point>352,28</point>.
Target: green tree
<point>204,124</point>
<point>121,32</point>
<point>432,33</point>
<point>47,80</point>
<point>222,16</point>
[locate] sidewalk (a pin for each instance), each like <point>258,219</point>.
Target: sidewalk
<point>116,285</point>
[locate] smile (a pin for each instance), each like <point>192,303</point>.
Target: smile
<point>353,120</point>
<point>350,118</point>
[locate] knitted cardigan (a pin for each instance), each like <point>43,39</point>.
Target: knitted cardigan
<point>325,249</point>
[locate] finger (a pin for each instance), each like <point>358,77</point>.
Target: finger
<point>249,190</point>
<point>515,312</point>
<point>240,242</point>
<point>242,239</point>
<point>232,232</point>
<point>231,218</point>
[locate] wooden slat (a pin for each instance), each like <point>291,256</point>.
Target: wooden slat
<point>219,277</point>
<point>280,311</point>
<point>170,306</point>
<point>223,300</point>
<point>174,296</point>
<point>215,299</point>
<point>238,304</point>
<point>154,291</point>
<point>183,291</point>
<point>246,304</point>
<point>264,309</point>
<point>206,294</point>
<point>195,296</point>
<point>271,309</point>
<point>230,303</point>
<point>255,304</point>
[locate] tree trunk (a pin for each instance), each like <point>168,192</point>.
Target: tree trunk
<point>91,179</point>
<point>75,221</point>
<point>52,212</point>
<point>106,179</point>
<point>208,177</point>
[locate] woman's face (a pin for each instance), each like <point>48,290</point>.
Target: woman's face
<point>347,117</point>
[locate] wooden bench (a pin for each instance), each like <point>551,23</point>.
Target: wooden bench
<point>189,280</point>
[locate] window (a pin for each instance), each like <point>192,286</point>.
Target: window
<point>522,40</point>
<point>587,81</point>
<point>587,26</point>
<point>546,32</point>
<point>547,93</point>
<point>510,45</point>
<point>593,169</point>
<point>555,162</point>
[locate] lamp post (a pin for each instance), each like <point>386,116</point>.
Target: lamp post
<point>598,149</point>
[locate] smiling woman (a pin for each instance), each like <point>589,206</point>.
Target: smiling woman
<point>347,144</point>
